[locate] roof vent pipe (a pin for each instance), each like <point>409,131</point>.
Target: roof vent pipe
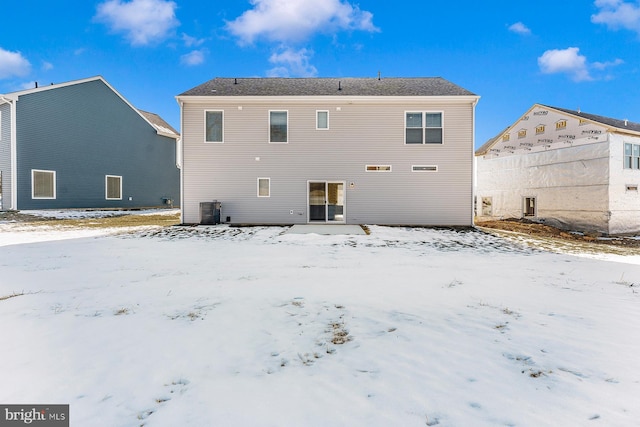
<point>378,75</point>
<point>36,85</point>
<point>339,85</point>
<point>235,81</point>
<point>625,121</point>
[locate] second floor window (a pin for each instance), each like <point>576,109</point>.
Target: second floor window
<point>278,126</point>
<point>214,126</point>
<point>423,128</point>
<point>322,120</point>
<point>631,156</point>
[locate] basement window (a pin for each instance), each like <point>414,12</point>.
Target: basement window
<point>632,187</point>
<point>424,168</point>
<point>378,168</point>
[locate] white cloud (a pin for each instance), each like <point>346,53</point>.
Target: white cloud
<point>567,61</point>
<point>142,21</point>
<point>607,64</point>
<point>292,63</point>
<point>617,14</point>
<point>519,28</point>
<point>192,58</point>
<point>192,41</point>
<point>13,64</point>
<point>287,21</point>
<point>46,66</point>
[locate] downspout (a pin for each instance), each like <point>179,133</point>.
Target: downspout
<point>181,148</point>
<point>473,160</point>
<point>12,148</point>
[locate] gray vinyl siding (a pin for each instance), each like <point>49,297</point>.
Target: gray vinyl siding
<point>361,133</point>
<point>5,156</point>
<point>84,132</point>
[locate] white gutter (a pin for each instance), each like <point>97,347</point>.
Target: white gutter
<point>12,149</point>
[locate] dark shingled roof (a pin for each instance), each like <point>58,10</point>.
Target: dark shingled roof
<point>601,119</point>
<point>424,86</point>
<point>159,123</point>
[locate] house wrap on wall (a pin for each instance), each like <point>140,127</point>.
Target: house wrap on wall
<point>329,150</point>
<point>80,144</point>
<point>565,168</point>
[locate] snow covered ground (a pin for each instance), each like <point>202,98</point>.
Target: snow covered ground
<point>224,326</point>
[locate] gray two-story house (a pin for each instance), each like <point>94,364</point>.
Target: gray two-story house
<point>81,144</point>
<point>395,151</point>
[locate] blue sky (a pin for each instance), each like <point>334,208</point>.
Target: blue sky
<point>572,54</point>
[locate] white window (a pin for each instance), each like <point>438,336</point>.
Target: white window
<point>378,168</point>
<point>113,187</point>
<point>264,187</point>
<point>278,124</point>
<point>322,119</point>
<point>214,126</point>
<point>43,184</point>
<point>424,168</point>
<point>423,127</point>
<point>631,156</point>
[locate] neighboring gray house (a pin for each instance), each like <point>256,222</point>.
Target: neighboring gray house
<point>80,144</point>
<point>566,168</point>
<point>328,150</point>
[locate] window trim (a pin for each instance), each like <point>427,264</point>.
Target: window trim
<point>205,126</point>
<point>33,187</point>
<point>106,187</point>
<point>287,135</point>
<point>317,121</point>
<point>268,187</point>
<point>424,126</point>
<point>424,168</point>
<point>379,168</point>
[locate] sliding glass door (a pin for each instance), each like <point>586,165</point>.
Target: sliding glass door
<point>326,201</point>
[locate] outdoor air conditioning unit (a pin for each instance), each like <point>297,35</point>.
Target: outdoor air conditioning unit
<point>210,212</point>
